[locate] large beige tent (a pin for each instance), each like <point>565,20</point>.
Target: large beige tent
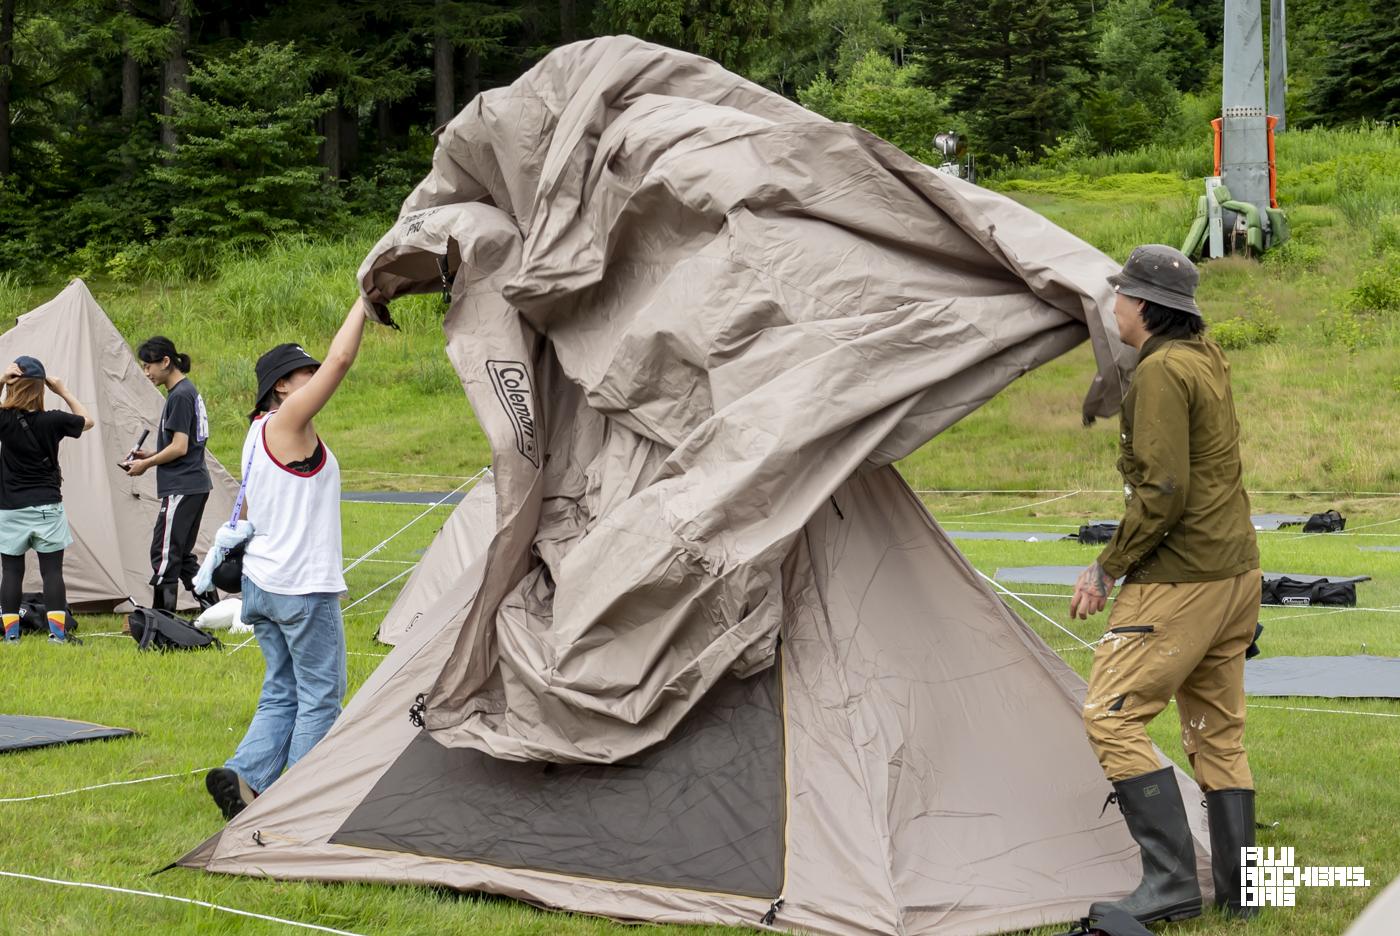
<point>465,535</point>
<point>717,664</point>
<point>110,513</point>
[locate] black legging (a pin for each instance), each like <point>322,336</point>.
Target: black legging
<point>12,582</point>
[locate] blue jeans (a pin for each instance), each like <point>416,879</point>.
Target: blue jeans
<point>303,645</point>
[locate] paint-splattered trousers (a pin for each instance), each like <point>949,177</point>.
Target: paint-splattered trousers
<point>1187,640</point>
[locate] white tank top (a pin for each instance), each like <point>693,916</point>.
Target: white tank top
<point>295,549</point>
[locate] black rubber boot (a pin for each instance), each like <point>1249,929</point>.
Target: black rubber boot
<point>1231,815</point>
<point>166,597</point>
<point>1151,805</point>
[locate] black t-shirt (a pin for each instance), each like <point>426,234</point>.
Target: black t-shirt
<point>24,479</point>
<point>184,412</point>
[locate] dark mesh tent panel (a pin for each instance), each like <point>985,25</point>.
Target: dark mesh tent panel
<point>705,809</point>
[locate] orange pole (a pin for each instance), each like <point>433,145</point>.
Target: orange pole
<point>1273,168</point>
<point>1217,123</point>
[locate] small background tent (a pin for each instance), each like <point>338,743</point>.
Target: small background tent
<point>717,664</point>
<point>110,513</point>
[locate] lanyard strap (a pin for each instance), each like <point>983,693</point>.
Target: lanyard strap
<point>243,484</point>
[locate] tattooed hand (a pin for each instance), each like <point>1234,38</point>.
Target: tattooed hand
<point>1090,592</point>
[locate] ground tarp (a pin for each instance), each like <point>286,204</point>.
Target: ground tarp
<point>20,732</point>
<point>1325,677</point>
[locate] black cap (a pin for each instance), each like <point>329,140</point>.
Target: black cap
<point>30,367</point>
<point>278,363</point>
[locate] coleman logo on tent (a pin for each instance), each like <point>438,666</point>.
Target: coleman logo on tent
<point>512,383</point>
<point>414,223</point>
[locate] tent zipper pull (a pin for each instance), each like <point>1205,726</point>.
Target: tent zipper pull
<point>1111,799</point>
<point>772,913</point>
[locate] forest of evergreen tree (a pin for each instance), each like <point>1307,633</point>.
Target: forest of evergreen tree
<point>142,132</point>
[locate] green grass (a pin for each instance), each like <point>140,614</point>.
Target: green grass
<point>1319,775</point>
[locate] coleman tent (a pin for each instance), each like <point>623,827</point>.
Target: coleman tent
<point>464,536</point>
<point>111,514</point>
<point>717,663</point>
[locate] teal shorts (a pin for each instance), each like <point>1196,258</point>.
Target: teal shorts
<point>42,529</point>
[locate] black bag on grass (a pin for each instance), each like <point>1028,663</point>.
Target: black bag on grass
<point>161,630</point>
<point>1096,533</point>
<point>1329,522</point>
<point>1287,591</point>
<point>34,617</point>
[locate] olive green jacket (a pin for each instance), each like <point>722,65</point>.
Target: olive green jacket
<point>1187,518</point>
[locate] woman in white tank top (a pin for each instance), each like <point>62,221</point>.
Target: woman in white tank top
<point>292,579</point>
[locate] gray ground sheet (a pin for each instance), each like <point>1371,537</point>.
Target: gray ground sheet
<point>1326,677</point>
<point>19,732</point>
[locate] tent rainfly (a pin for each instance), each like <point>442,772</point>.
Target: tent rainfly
<point>467,532</point>
<point>110,513</point>
<point>716,663</point>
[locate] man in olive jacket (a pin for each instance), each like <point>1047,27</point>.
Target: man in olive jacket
<point>1190,600</point>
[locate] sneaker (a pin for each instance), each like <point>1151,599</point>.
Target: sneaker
<point>231,792</point>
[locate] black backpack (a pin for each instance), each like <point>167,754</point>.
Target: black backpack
<point>34,617</point>
<point>161,630</point>
<point>1329,522</point>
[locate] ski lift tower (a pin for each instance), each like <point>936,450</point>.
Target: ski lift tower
<point>1239,212</point>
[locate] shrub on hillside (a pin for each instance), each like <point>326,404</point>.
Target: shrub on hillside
<point>1296,255</point>
<point>1377,289</point>
<point>1258,326</point>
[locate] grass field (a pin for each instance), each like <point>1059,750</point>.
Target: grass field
<point>1317,382</point>
<point>1319,772</point>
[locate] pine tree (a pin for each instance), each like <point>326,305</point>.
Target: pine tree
<point>245,168</point>
<point>1360,77</point>
<point>1014,68</point>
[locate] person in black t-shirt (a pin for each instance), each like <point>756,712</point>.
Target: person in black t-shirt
<point>31,498</point>
<point>182,477</point>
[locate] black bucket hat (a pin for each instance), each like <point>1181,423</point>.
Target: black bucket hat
<point>1160,274</point>
<point>278,363</point>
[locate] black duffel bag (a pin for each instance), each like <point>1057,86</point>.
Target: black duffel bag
<point>1287,591</point>
<point>161,630</point>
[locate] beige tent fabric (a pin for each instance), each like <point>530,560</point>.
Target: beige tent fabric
<point>110,513</point>
<point>937,776</point>
<point>462,540</point>
<point>1381,916</point>
<point>685,310</point>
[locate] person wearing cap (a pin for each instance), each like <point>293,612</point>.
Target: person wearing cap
<point>1186,552</point>
<point>31,495</point>
<point>292,580</point>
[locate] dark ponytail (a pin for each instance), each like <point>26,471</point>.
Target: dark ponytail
<point>154,350</point>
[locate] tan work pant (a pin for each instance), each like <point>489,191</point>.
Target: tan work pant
<point>1185,639</point>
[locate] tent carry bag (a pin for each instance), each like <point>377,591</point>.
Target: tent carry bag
<point>34,617</point>
<point>1287,591</point>
<point>161,630</point>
